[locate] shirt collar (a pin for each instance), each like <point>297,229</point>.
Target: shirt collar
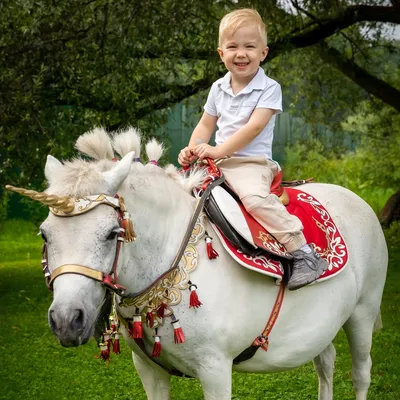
<point>257,83</point>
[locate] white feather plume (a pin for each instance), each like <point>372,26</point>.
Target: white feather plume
<point>96,144</point>
<point>126,141</point>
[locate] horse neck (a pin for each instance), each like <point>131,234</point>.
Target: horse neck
<point>160,211</point>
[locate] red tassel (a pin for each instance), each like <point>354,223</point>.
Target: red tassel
<point>136,330</point>
<point>157,347</point>
<point>107,338</point>
<point>150,319</point>
<point>179,337</point>
<point>105,352</point>
<point>116,346</point>
<point>210,250</point>
<point>194,298</point>
<point>161,310</point>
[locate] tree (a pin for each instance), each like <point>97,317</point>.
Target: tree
<point>67,66</point>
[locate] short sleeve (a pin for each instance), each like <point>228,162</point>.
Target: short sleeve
<point>271,98</point>
<point>210,106</point>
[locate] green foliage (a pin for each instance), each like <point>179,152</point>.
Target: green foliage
<point>35,366</point>
<point>66,67</point>
<point>312,160</point>
<point>393,238</point>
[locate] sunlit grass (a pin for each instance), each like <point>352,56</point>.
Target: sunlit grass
<point>34,366</point>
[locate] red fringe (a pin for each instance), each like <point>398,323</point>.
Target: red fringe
<point>161,310</point>
<point>179,337</point>
<point>210,249</point>
<point>116,346</point>
<point>136,330</point>
<point>150,319</point>
<point>157,347</point>
<point>194,298</point>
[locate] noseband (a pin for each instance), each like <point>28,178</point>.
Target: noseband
<point>126,234</point>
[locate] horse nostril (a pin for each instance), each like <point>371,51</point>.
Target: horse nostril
<point>77,322</point>
<point>52,323</point>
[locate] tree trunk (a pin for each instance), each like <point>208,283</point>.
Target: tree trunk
<point>391,211</point>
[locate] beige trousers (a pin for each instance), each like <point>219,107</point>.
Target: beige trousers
<point>251,178</point>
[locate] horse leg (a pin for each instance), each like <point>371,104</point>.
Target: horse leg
<point>324,365</point>
<point>215,376</point>
<point>156,382</point>
<point>359,328</point>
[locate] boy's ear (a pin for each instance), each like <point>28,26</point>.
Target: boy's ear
<point>265,53</point>
<point>221,53</point>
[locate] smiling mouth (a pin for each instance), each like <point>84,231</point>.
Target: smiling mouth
<point>242,64</point>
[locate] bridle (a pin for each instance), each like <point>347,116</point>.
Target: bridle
<point>83,205</point>
<point>71,207</point>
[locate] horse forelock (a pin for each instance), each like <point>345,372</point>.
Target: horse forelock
<point>79,178</point>
<point>188,182</point>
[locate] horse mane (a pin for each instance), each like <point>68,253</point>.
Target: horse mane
<point>80,177</point>
<point>96,144</point>
<point>128,140</point>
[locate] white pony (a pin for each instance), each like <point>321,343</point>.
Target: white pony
<point>236,302</point>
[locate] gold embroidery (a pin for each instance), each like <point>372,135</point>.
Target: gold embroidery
<point>169,289</point>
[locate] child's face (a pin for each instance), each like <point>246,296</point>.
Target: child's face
<point>243,52</point>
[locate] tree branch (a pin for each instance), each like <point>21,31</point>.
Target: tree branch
<point>361,77</point>
<point>325,28</point>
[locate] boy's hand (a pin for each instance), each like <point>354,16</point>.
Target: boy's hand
<point>205,150</point>
<point>186,157</point>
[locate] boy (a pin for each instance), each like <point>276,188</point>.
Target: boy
<point>243,104</point>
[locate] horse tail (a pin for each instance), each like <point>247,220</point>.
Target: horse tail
<point>378,325</point>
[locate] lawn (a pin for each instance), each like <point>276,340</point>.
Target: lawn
<point>34,366</point>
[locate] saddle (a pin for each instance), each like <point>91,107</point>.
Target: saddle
<point>253,247</point>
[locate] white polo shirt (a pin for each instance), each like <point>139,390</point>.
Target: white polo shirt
<point>233,111</point>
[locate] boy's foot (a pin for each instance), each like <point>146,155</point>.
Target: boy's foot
<point>307,267</point>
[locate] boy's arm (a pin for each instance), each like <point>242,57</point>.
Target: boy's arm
<point>241,138</point>
<point>203,131</point>
<point>201,134</point>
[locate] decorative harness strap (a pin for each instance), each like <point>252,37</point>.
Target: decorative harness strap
<point>212,180</point>
<point>127,234</point>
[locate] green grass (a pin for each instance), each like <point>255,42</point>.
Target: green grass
<point>34,366</point>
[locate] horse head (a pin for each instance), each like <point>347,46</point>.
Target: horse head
<point>82,232</point>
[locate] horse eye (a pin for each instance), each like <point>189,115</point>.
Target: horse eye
<point>112,235</point>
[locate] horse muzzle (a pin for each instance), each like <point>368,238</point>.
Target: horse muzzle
<point>70,326</point>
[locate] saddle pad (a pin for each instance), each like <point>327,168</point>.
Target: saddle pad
<point>319,230</point>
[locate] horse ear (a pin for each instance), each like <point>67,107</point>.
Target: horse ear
<point>115,176</point>
<point>52,168</point>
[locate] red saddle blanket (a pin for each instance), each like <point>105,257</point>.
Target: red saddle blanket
<point>319,230</point>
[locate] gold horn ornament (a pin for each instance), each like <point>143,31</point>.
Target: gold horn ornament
<point>61,203</point>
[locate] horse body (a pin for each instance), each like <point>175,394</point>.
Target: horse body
<point>236,302</point>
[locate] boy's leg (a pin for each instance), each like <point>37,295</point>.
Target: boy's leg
<point>251,178</point>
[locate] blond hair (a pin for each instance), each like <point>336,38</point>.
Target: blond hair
<point>231,22</point>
